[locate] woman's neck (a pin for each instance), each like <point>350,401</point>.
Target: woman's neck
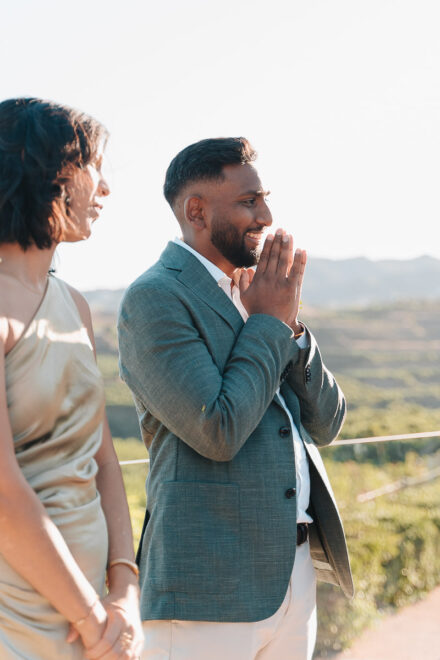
<point>30,267</point>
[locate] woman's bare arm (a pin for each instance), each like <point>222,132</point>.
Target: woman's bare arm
<point>122,602</point>
<point>29,540</point>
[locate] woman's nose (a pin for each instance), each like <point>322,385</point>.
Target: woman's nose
<point>103,188</point>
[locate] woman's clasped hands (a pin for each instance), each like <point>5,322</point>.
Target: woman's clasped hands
<point>112,630</point>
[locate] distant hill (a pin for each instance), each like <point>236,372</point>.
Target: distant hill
<point>342,283</point>
<point>104,301</point>
<point>386,358</point>
<point>361,282</point>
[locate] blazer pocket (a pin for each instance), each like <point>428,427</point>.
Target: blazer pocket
<point>194,541</point>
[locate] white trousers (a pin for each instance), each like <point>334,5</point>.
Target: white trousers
<point>289,634</point>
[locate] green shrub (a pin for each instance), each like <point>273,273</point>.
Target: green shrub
<point>393,540</point>
<point>393,543</point>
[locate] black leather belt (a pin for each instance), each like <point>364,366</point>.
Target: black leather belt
<point>302,533</point>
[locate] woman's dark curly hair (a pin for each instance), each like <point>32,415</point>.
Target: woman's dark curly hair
<point>41,146</point>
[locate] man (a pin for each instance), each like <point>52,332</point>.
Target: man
<point>232,398</point>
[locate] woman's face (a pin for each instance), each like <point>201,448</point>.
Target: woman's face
<point>85,190</point>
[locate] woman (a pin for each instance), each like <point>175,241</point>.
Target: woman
<point>64,519</point>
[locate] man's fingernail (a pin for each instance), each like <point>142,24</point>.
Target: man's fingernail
<point>269,237</point>
<point>285,239</point>
<point>279,232</point>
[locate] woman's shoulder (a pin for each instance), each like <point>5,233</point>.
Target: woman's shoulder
<point>9,299</point>
<point>80,303</point>
<point>18,306</point>
<point>77,299</point>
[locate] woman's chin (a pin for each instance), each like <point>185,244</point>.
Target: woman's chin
<point>77,237</point>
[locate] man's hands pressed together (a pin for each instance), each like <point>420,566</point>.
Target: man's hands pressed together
<point>275,287</point>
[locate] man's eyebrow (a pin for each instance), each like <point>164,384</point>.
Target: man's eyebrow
<point>255,193</point>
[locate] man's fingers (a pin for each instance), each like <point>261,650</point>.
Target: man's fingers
<point>290,264</point>
<point>286,253</point>
<point>251,274</point>
<point>264,256</point>
<point>272,264</point>
<point>302,267</point>
<point>299,264</point>
<point>244,281</point>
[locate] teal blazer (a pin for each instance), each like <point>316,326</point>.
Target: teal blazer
<point>221,535</point>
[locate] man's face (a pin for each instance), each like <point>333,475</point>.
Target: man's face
<point>239,215</point>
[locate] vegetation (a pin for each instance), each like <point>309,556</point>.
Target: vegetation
<point>134,480</point>
<point>393,542</point>
<point>387,360</point>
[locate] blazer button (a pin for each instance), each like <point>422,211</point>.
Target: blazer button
<point>290,492</point>
<point>285,372</point>
<point>284,431</point>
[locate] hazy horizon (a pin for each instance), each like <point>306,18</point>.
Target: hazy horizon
<point>312,257</point>
<point>341,101</point>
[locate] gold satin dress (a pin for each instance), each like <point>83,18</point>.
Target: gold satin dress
<point>55,402</point>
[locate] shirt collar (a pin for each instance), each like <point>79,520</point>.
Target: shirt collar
<point>212,269</point>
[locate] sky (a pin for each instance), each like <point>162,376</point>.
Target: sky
<point>340,99</point>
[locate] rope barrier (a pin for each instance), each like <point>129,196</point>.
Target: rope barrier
<point>353,441</point>
<point>387,438</point>
<point>406,482</point>
<point>136,462</point>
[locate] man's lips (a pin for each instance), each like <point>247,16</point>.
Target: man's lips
<point>254,236</point>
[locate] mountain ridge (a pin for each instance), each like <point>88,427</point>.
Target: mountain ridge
<point>333,283</point>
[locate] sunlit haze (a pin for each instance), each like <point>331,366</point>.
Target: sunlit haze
<point>341,100</point>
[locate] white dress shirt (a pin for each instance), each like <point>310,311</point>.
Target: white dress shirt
<point>301,464</point>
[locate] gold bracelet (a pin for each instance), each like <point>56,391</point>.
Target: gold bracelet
<point>127,562</point>
<point>81,621</point>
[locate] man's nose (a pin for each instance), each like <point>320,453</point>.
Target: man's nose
<point>264,216</point>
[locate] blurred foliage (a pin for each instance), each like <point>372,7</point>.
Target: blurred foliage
<point>134,480</point>
<point>116,392</point>
<point>393,540</point>
<point>393,543</point>
<point>387,361</point>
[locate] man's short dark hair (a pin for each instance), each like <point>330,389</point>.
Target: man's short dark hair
<point>204,161</point>
<point>41,145</point>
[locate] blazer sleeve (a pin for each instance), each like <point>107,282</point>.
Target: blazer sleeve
<point>322,403</point>
<point>167,365</point>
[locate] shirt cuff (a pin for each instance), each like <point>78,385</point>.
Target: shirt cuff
<point>302,341</point>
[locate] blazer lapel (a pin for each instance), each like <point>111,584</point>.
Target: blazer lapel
<point>193,274</point>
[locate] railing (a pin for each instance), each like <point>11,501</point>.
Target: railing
<point>353,441</point>
<point>406,482</point>
<point>388,438</point>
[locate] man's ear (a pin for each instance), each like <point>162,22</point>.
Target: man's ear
<point>194,212</point>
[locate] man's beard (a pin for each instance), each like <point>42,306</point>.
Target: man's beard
<point>228,241</point>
